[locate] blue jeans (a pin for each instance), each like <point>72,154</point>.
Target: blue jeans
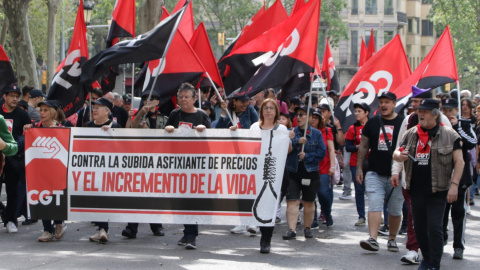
<point>47,225</point>
<point>325,194</point>
<point>359,194</point>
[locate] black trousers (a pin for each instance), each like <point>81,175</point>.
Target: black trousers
<point>14,173</point>
<point>459,219</point>
<point>153,226</point>
<point>428,210</point>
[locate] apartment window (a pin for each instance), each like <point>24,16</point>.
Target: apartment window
<point>370,7</point>
<point>367,37</point>
<point>388,7</point>
<point>387,36</point>
<point>354,7</point>
<point>427,28</point>
<point>427,2</point>
<point>414,25</point>
<point>354,47</point>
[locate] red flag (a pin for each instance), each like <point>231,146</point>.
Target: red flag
<point>297,6</point>
<point>363,54</point>
<point>181,65</point>
<point>187,24</point>
<point>165,13</point>
<point>66,86</point>
<point>437,68</point>
<point>246,60</point>
<point>328,70</point>
<point>123,21</point>
<point>202,47</point>
<point>296,54</point>
<point>387,69</point>
<point>6,72</point>
<point>371,46</point>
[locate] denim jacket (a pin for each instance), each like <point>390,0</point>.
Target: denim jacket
<point>315,150</point>
<point>247,118</point>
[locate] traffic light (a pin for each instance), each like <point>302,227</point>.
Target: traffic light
<point>221,39</point>
<point>44,77</point>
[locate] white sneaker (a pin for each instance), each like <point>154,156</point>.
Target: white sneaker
<point>253,230</point>
<point>360,222</point>
<point>345,197</point>
<point>11,228</point>
<point>239,229</point>
<point>469,211</point>
<point>411,257</point>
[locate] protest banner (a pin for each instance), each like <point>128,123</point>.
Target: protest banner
<point>147,175</point>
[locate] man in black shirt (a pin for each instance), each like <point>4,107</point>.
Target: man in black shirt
<point>380,135</point>
<point>14,169</point>
<point>190,117</point>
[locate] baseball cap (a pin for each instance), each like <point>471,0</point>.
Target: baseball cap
<point>316,111</point>
<point>303,108</point>
<point>127,99</point>
<point>206,104</point>
<point>49,103</point>
<point>324,106</point>
<point>12,88</point>
<point>363,106</point>
<point>37,93</point>
<point>450,103</point>
<point>388,95</point>
<point>104,102</point>
<point>429,104</point>
<point>332,92</point>
<point>296,101</point>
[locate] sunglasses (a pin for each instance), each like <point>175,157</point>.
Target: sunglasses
<point>300,114</point>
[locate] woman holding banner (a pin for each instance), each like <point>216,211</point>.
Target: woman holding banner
<point>48,114</point>
<point>269,114</point>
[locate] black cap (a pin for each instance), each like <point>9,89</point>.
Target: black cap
<point>296,101</point>
<point>454,93</point>
<point>332,92</point>
<point>206,104</point>
<point>324,106</point>
<point>37,93</point>
<point>314,99</point>
<point>49,103</point>
<point>127,99</point>
<point>388,95</point>
<point>363,106</point>
<point>316,111</point>
<point>22,103</point>
<point>429,104</point>
<point>303,108</point>
<point>450,103</point>
<point>12,88</point>
<point>104,102</point>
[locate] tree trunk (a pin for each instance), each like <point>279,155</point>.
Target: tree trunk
<point>3,34</point>
<point>149,14</point>
<point>52,21</point>
<point>25,62</point>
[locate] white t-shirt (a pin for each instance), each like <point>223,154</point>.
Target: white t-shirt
<point>256,126</point>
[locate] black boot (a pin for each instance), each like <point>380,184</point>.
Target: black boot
<point>264,246</point>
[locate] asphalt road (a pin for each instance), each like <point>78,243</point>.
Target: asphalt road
<point>331,248</point>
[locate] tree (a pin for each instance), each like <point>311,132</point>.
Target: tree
<point>51,41</point>
<point>149,14</point>
<point>463,17</point>
<point>16,14</point>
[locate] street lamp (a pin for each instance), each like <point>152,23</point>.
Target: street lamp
<point>87,11</point>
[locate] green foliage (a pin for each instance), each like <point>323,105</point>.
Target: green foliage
<point>463,17</point>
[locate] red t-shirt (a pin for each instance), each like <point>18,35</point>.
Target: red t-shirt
<point>324,165</point>
<point>350,135</point>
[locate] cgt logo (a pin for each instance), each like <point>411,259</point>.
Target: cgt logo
<point>45,197</point>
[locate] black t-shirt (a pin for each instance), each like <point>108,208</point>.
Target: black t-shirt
<point>421,181</point>
<point>16,119</point>
<point>380,159</point>
<point>92,124</point>
<point>120,115</point>
<point>178,117</point>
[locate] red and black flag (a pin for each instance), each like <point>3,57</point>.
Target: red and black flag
<point>328,70</point>
<point>66,86</point>
<point>437,68</point>
<point>7,76</point>
<point>296,54</point>
<point>238,74</point>
<point>180,65</point>
<point>202,47</point>
<point>123,21</point>
<point>187,24</point>
<point>363,54</point>
<point>387,69</point>
<point>145,47</point>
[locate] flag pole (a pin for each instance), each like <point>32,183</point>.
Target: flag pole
<point>308,111</point>
<point>459,101</point>
<point>133,81</point>
<point>325,93</point>
<point>199,99</point>
<point>218,94</point>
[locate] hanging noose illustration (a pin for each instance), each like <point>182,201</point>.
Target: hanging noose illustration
<point>269,173</point>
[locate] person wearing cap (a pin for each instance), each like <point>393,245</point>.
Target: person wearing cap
<point>429,179</point>
<point>469,141</point>
<point>84,113</point>
<point>304,178</point>
<point>207,107</point>
<point>294,103</point>
<point>187,116</point>
<point>14,169</point>
<point>127,102</point>
<point>119,114</point>
<point>334,95</point>
<point>353,137</point>
<point>243,114</point>
<point>48,114</point>
<point>380,136</point>
<point>418,94</point>
<point>101,111</point>
<point>36,96</point>
<point>326,168</point>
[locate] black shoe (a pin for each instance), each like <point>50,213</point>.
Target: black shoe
<point>458,254</point>
<point>445,238</point>
<point>308,233</point>
<point>3,215</point>
<point>383,230</point>
<point>329,221</point>
<point>129,233</point>
<point>424,265</point>
<point>182,241</point>
<point>289,235</point>
<point>369,244</point>
<point>403,230</point>
<point>158,232</point>
<point>472,202</point>
<point>29,221</point>
<point>191,244</point>
<point>264,246</point>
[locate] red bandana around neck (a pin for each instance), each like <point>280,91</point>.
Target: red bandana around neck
<point>422,137</point>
